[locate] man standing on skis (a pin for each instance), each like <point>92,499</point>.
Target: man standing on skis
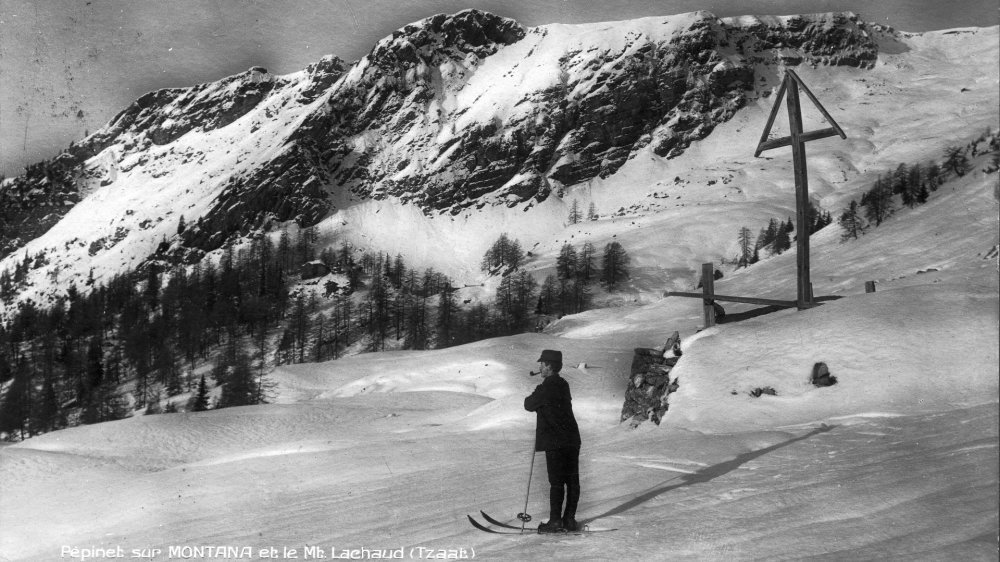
<point>557,434</point>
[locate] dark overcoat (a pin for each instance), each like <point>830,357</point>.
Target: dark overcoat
<point>556,426</point>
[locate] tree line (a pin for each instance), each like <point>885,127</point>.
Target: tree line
<point>151,329</point>
<point>776,237</point>
<point>165,331</point>
<point>911,185</point>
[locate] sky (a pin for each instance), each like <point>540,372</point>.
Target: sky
<point>68,66</point>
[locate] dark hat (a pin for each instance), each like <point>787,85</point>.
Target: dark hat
<point>551,355</point>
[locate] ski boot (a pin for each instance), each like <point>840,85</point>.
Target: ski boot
<point>551,526</point>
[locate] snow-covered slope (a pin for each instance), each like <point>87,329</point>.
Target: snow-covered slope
<point>392,450</point>
<point>630,115</point>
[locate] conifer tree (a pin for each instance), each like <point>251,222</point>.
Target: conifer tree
<point>566,262</point>
<point>574,212</point>
<point>922,193</point>
<point>585,262</point>
<point>285,254</point>
<point>505,303</point>
<point>767,236</point>
<point>200,402</point>
<point>526,288</point>
<point>300,327</point>
<point>592,212</point>
<point>782,241</point>
<point>614,266</point>
<point>746,248</point>
<point>573,297</point>
<point>899,179</point>
<point>503,253</point>
<point>286,347</point>
<point>933,176</point>
<point>398,270</point>
<point>15,410</point>
<point>319,338</point>
<point>5,371</point>
<point>477,324</point>
<point>378,311</point>
<point>956,161</point>
<point>548,296</point>
<point>415,312</point>
<point>446,316</point>
<point>915,183</point>
<point>106,404</point>
<point>514,255</point>
<point>878,202</point>
<point>346,314</point>
<point>240,389</point>
<point>850,221</point>
<point>152,291</point>
<point>514,298</point>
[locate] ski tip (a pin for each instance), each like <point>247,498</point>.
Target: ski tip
<point>499,523</point>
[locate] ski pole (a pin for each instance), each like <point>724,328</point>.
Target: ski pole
<point>523,516</point>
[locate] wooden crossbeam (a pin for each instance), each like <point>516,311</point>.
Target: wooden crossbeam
<point>804,137</point>
<point>728,298</point>
<point>816,103</point>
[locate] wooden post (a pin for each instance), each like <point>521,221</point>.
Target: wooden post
<point>708,290</point>
<point>869,286</point>
<point>801,194</point>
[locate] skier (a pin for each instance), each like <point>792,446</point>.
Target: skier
<point>557,434</point>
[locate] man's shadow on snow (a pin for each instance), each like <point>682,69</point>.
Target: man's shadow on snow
<point>708,473</point>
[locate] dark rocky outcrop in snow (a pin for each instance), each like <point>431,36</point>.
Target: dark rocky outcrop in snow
<point>650,382</point>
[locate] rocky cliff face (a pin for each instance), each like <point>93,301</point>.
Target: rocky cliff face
<point>590,107</point>
<point>448,113</point>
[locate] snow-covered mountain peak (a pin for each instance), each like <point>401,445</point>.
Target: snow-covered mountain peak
<point>443,37</point>
<point>449,117</point>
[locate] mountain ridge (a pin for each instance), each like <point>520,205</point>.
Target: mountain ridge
<point>312,142</point>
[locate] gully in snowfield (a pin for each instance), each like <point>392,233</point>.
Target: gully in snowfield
<point>557,434</point>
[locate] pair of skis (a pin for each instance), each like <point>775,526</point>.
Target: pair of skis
<point>508,529</point>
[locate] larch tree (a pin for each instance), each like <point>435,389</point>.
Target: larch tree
<point>851,222</point>
<point>614,266</point>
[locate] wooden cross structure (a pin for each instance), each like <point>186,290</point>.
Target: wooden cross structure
<point>797,139</point>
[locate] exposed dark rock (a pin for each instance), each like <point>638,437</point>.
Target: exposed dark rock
<point>650,382</point>
<point>821,375</point>
<point>314,269</point>
<point>758,392</point>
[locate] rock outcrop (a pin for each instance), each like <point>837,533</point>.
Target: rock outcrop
<point>650,382</point>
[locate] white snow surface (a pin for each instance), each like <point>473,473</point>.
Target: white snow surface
<point>392,450</point>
